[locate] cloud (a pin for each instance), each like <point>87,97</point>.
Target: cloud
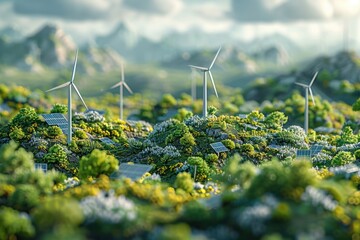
<point>292,10</point>
<point>154,6</point>
<point>67,9</point>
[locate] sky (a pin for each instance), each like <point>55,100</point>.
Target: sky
<point>300,20</point>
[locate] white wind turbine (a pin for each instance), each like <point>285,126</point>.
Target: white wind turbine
<point>70,85</point>
<point>122,83</point>
<point>207,70</point>
<point>307,90</point>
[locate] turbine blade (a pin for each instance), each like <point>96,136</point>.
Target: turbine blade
<point>313,79</point>
<point>74,68</point>
<point>216,56</point>
<point>58,87</point>
<point>199,68</point>
<point>213,83</point>
<point>78,93</point>
<point>312,96</point>
<point>128,88</point>
<point>122,72</point>
<point>301,84</point>
<point>116,85</point>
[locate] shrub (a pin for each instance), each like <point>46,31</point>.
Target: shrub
<point>25,197</point>
<point>211,158</point>
<point>247,148</point>
<point>14,225</point>
<point>53,131</point>
<point>25,117</point>
<point>81,134</point>
<point>17,134</point>
<point>357,154</point>
<point>57,212</point>
<point>202,169</point>
<point>58,156</point>
<point>59,108</point>
<point>342,158</point>
<point>13,160</point>
<point>97,163</point>
<point>184,181</point>
<point>229,144</point>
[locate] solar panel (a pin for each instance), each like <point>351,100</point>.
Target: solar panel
<point>315,149</point>
<point>273,146</point>
<point>242,115</point>
<point>41,166</point>
<point>107,140</point>
<point>132,171</point>
<point>54,119</point>
<point>219,147</point>
<point>303,153</point>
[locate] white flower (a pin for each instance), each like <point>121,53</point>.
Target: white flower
<point>109,208</point>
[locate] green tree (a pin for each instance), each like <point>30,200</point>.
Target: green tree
<point>25,118</point>
<point>58,156</point>
<point>25,197</point>
<point>14,160</point>
<point>168,101</point>
<point>343,158</point>
<point>184,181</point>
<point>59,108</point>
<point>347,137</point>
<point>97,163</point>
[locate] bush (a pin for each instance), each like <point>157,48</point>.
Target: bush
<point>57,212</point>
<point>247,148</point>
<point>25,117</point>
<point>202,169</point>
<point>97,163</point>
<point>357,154</point>
<point>13,160</point>
<point>14,225</point>
<point>17,134</point>
<point>229,144</point>
<point>58,156</point>
<point>211,158</point>
<point>81,134</point>
<point>59,108</point>
<point>342,158</point>
<point>25,197</point>
<point>184,181</point>
<point>54,131</point>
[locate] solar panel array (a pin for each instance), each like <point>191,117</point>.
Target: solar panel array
<point>132,171</point>
<point>41,166</point>
<point>315,149</point>
<point>57,119</point>
<point>303,153</point>
<point>107,141</point>
<point>219,147</point>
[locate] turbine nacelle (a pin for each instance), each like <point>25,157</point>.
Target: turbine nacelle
<point>208,70</point>
<point>308,87</point>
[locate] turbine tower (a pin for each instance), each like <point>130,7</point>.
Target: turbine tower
<point>70,85</point>
<point>122,83</point>
<point>207,70</point>
<point>307,90</point>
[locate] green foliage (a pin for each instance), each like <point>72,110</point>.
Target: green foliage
<point>202,169</point>
<point>357,154</point>
<point>275,120</point>
<point>187,140</point>
<point>247,148</point>
<point>168,101</point>
<point>25,117</point>
<point>97,163</point>
<point>17,134</point>
<point>14,160</point>
<point>185,182</point>
<point>283,181</point>
<point>212,158</point>
<point>81,134</point>
<point>183,114</point>
<point>229,144</point>
<point>55,212</point>
<point>347,137</point>
<point>57,155</point>
<point>53,131</point>
<point>176,232</point>
<point>342,158</point>
<point>25,197</point>
<point>212,110</point>
<point>356,105</point>
<point>59,108</point>
<point>14,225</point>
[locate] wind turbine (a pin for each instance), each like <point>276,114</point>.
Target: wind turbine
<point>70,85</point>
<point>122,83</point>
<point>207,70</point>
<point>307,90</point>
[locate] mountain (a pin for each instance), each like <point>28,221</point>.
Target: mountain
<point>10,34</point>
<point>229,57</point>
<point>51,48</point>
<point>274,54</point>
<point>338,80</point>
